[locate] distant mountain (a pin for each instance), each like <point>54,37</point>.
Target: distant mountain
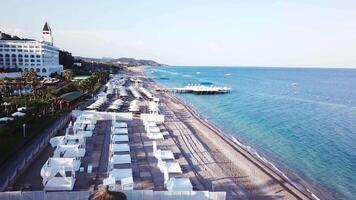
<point>124,61</point>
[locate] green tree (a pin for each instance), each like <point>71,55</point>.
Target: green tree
<point>68,74</point>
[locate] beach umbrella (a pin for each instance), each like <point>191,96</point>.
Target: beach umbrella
<point>5,119</point>
<point>18,114</point>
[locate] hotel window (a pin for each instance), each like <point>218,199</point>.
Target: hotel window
<point>26,56</point>
<point>13,46</point>
<point>26,60</point>
<point>7,50</point>
<point>13,50</point>
<point>18,46</point>
<point>38,56</point>
<point>32,56</point>
<point>38,60</point>
<point>32,60</point>
<point>31,46</point>
<point>7,46</point>
<point>7,59</point>
<point>19,50</point>
<point>25,50</point>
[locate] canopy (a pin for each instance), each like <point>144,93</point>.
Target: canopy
<point>170,166</point>
<point>119,131</point>
<point>119,147</point>
<point>179,184</point>
<point>5,119</point>
<point>164,154</point>
<point>119,138</point>
<point>119,174</point>
<point>120,159</point>
<point>119,125</point>
<point>18,114</point>
<point>69,151</point>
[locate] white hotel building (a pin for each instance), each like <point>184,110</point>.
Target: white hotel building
<point>40,57</point>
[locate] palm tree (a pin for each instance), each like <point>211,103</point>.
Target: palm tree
<point>31,78</point>
<point>68,74</point>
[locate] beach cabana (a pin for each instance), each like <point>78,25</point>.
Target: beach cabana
<point>69,151</point>
<point>53,182</point>
<point>68,164</point>
<point>162,154</point>
<point>119,138</point>
<point>127,183</point>
<point>172,167</point>
<point>119,174</point>
<point>120,159</point>
<point>119,147</point>
<point>84,133</point>
<point>179,184</point>
<point>78,139</point>
<point>119,125</point>
<point>119,131</point>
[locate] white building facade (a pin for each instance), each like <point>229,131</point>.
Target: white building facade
<point>40,57</point>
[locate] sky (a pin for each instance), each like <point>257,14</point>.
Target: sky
<point>299,33</point>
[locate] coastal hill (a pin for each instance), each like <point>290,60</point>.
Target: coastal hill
<point>123,60</point>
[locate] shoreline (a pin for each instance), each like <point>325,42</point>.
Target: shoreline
<point>276,173</point>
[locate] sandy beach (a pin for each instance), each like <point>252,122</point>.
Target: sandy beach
<point>218,162</point>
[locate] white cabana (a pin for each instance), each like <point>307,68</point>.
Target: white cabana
<point>179,184</point>
<point>162,154</point>
<point>135,93</point>
<point>119,138</point>
<point>5,119</point>
<point>69,151</point>
<point>119,131</point>
<point>134,107</point>
<point>119,174</point>
<point>18,114</point>
<point>110,182</point>
<point>69,164</point>
<point>68,139</point>
<point>155,136</point>
<point>120,159</point>
<point>127,183</point>
<point>84,133</point>
<point>119,124</point>
<point>62,183</point>
<point>145,92</point>
<point>171,167</point>
<point>119,147</point>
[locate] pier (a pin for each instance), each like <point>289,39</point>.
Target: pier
<point>199,89</point>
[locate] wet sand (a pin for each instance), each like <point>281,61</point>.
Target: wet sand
<point>218,163</point>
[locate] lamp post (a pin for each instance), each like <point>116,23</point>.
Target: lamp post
<point>24,130</point>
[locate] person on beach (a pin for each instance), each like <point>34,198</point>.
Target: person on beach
<point>105,194</point>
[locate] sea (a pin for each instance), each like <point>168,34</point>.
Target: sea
<point>302,120</point>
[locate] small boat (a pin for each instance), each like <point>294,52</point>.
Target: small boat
<point>295,84</point>
<point>206,83</point>
<point>164,78</point>
<point>227,74</point>
<point>197,72</point>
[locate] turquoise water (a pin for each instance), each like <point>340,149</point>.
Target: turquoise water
<point>301,119</point>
